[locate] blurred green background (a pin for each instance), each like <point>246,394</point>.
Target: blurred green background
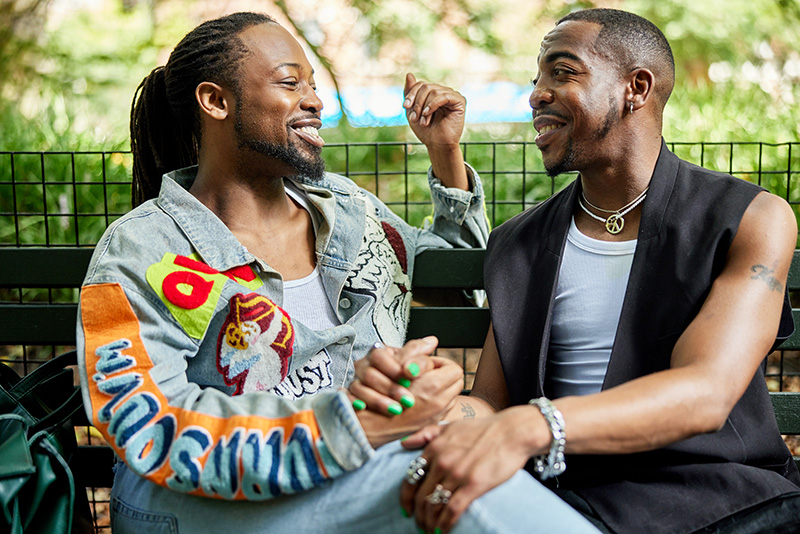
<point>69,68</point>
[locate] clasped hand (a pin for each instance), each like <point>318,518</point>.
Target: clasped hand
<point>400,390</point>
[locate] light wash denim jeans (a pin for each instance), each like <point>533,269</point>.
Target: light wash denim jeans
<point>363,501</point>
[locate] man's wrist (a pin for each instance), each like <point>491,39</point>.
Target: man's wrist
<point>447,163</point>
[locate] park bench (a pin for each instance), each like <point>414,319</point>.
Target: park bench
<point>461,326</point>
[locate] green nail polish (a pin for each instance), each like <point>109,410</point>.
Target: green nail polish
<point>403,511</point>
<point>407,401</point>
<point>437,530</point>
<point>395,409</point>
<point>405,382</point>
<point>359,405</point>
<point>413,368</point>
<point>404,438</point>
<point>422,531</point>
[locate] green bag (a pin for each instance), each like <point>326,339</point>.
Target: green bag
<point>37,441</point>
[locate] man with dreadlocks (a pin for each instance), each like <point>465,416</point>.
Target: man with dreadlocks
<point>220,317</point>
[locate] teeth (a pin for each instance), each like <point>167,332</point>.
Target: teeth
<point>548,128</point>
<point>310,130</point>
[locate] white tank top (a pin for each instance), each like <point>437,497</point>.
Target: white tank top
<point>305,299</point>
<point>589,294</point>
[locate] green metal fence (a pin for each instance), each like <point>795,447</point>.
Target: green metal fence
<point>69,198</point>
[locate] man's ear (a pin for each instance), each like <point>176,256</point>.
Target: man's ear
<point>640,87</point>
<point>214,101</point>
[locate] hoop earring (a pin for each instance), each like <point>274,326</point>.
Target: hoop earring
<point>630,107</point>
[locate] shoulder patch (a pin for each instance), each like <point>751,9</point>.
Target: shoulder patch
<point>190,289</point>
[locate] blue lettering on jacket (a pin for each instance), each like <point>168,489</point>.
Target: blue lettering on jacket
<point>186,467</point>
<point>270,467</point>
<point>111,358</point>
<point>300,465</point>
<point>159,436</point>
<point>132,416</point>
<point>221,473</point>
<point>262,460</point>
<point>117,387</point>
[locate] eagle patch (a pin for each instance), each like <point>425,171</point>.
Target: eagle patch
<point>254,344</point>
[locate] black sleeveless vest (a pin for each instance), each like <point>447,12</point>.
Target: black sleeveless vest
<point>689,219</point>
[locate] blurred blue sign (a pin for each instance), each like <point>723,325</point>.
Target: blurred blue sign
<point>383,106</point>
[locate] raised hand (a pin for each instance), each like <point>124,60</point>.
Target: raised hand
<point>436,115</point>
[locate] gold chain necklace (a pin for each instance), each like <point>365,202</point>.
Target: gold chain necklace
<point>616,221</point>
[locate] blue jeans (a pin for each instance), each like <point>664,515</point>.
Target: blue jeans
<point>363,501</point>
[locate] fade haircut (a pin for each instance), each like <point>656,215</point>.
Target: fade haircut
<point>632,42</point>
<point>165,115</point>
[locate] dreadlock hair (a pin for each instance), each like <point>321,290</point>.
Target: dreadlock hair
<point>165,119</point>
<point>632,42</point>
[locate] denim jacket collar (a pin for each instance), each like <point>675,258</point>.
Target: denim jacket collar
<point>220,249</point>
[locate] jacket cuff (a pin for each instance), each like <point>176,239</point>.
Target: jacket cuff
<point>456,204</point>
<point>341,432</point>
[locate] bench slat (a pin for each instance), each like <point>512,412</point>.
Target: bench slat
<point>449,268</point>
<point>455,327</point>
<point>38,324</point>
<point>54,324</point>
<point>793,342</point>
<point>794,272</point>
<point>787,411</point>
<point>43,267</point>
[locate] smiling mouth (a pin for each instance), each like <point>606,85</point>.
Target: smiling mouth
<point>549,128</point>
<point>544,132</point>
<point>310,135</point>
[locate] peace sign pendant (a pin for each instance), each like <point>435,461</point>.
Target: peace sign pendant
<point>614,224</point>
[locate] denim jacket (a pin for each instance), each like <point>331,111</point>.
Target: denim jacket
<point>198,378</point>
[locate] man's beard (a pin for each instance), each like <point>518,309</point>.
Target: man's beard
<point>571,154</point>
<point>312,166</point>
<point>565,164</point>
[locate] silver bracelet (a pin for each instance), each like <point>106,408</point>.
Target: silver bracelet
<point>552,464</point>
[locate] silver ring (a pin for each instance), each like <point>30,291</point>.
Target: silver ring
<point>416,470</point>
<point>440,495</point>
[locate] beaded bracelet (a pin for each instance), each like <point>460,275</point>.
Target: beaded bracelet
<point>552,464</point>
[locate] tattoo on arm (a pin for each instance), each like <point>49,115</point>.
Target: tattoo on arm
<point>765,273</point>
<point>468,410</point>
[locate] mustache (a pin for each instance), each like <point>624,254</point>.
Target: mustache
<point>546,112</point>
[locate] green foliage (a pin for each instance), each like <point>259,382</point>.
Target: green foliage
<point>72,87</point>
<point>67,82</point>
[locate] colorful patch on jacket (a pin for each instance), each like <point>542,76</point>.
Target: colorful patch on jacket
<point>254,344</point>
<point>241,456</point>
<point>190,289</point>
<point>381,271</point>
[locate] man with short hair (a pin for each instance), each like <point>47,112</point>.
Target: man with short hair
<point>654,290</point>
<point>220,317</point>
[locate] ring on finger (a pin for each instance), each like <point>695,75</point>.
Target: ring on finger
<point>416,470</point>
<point>440,495</point>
